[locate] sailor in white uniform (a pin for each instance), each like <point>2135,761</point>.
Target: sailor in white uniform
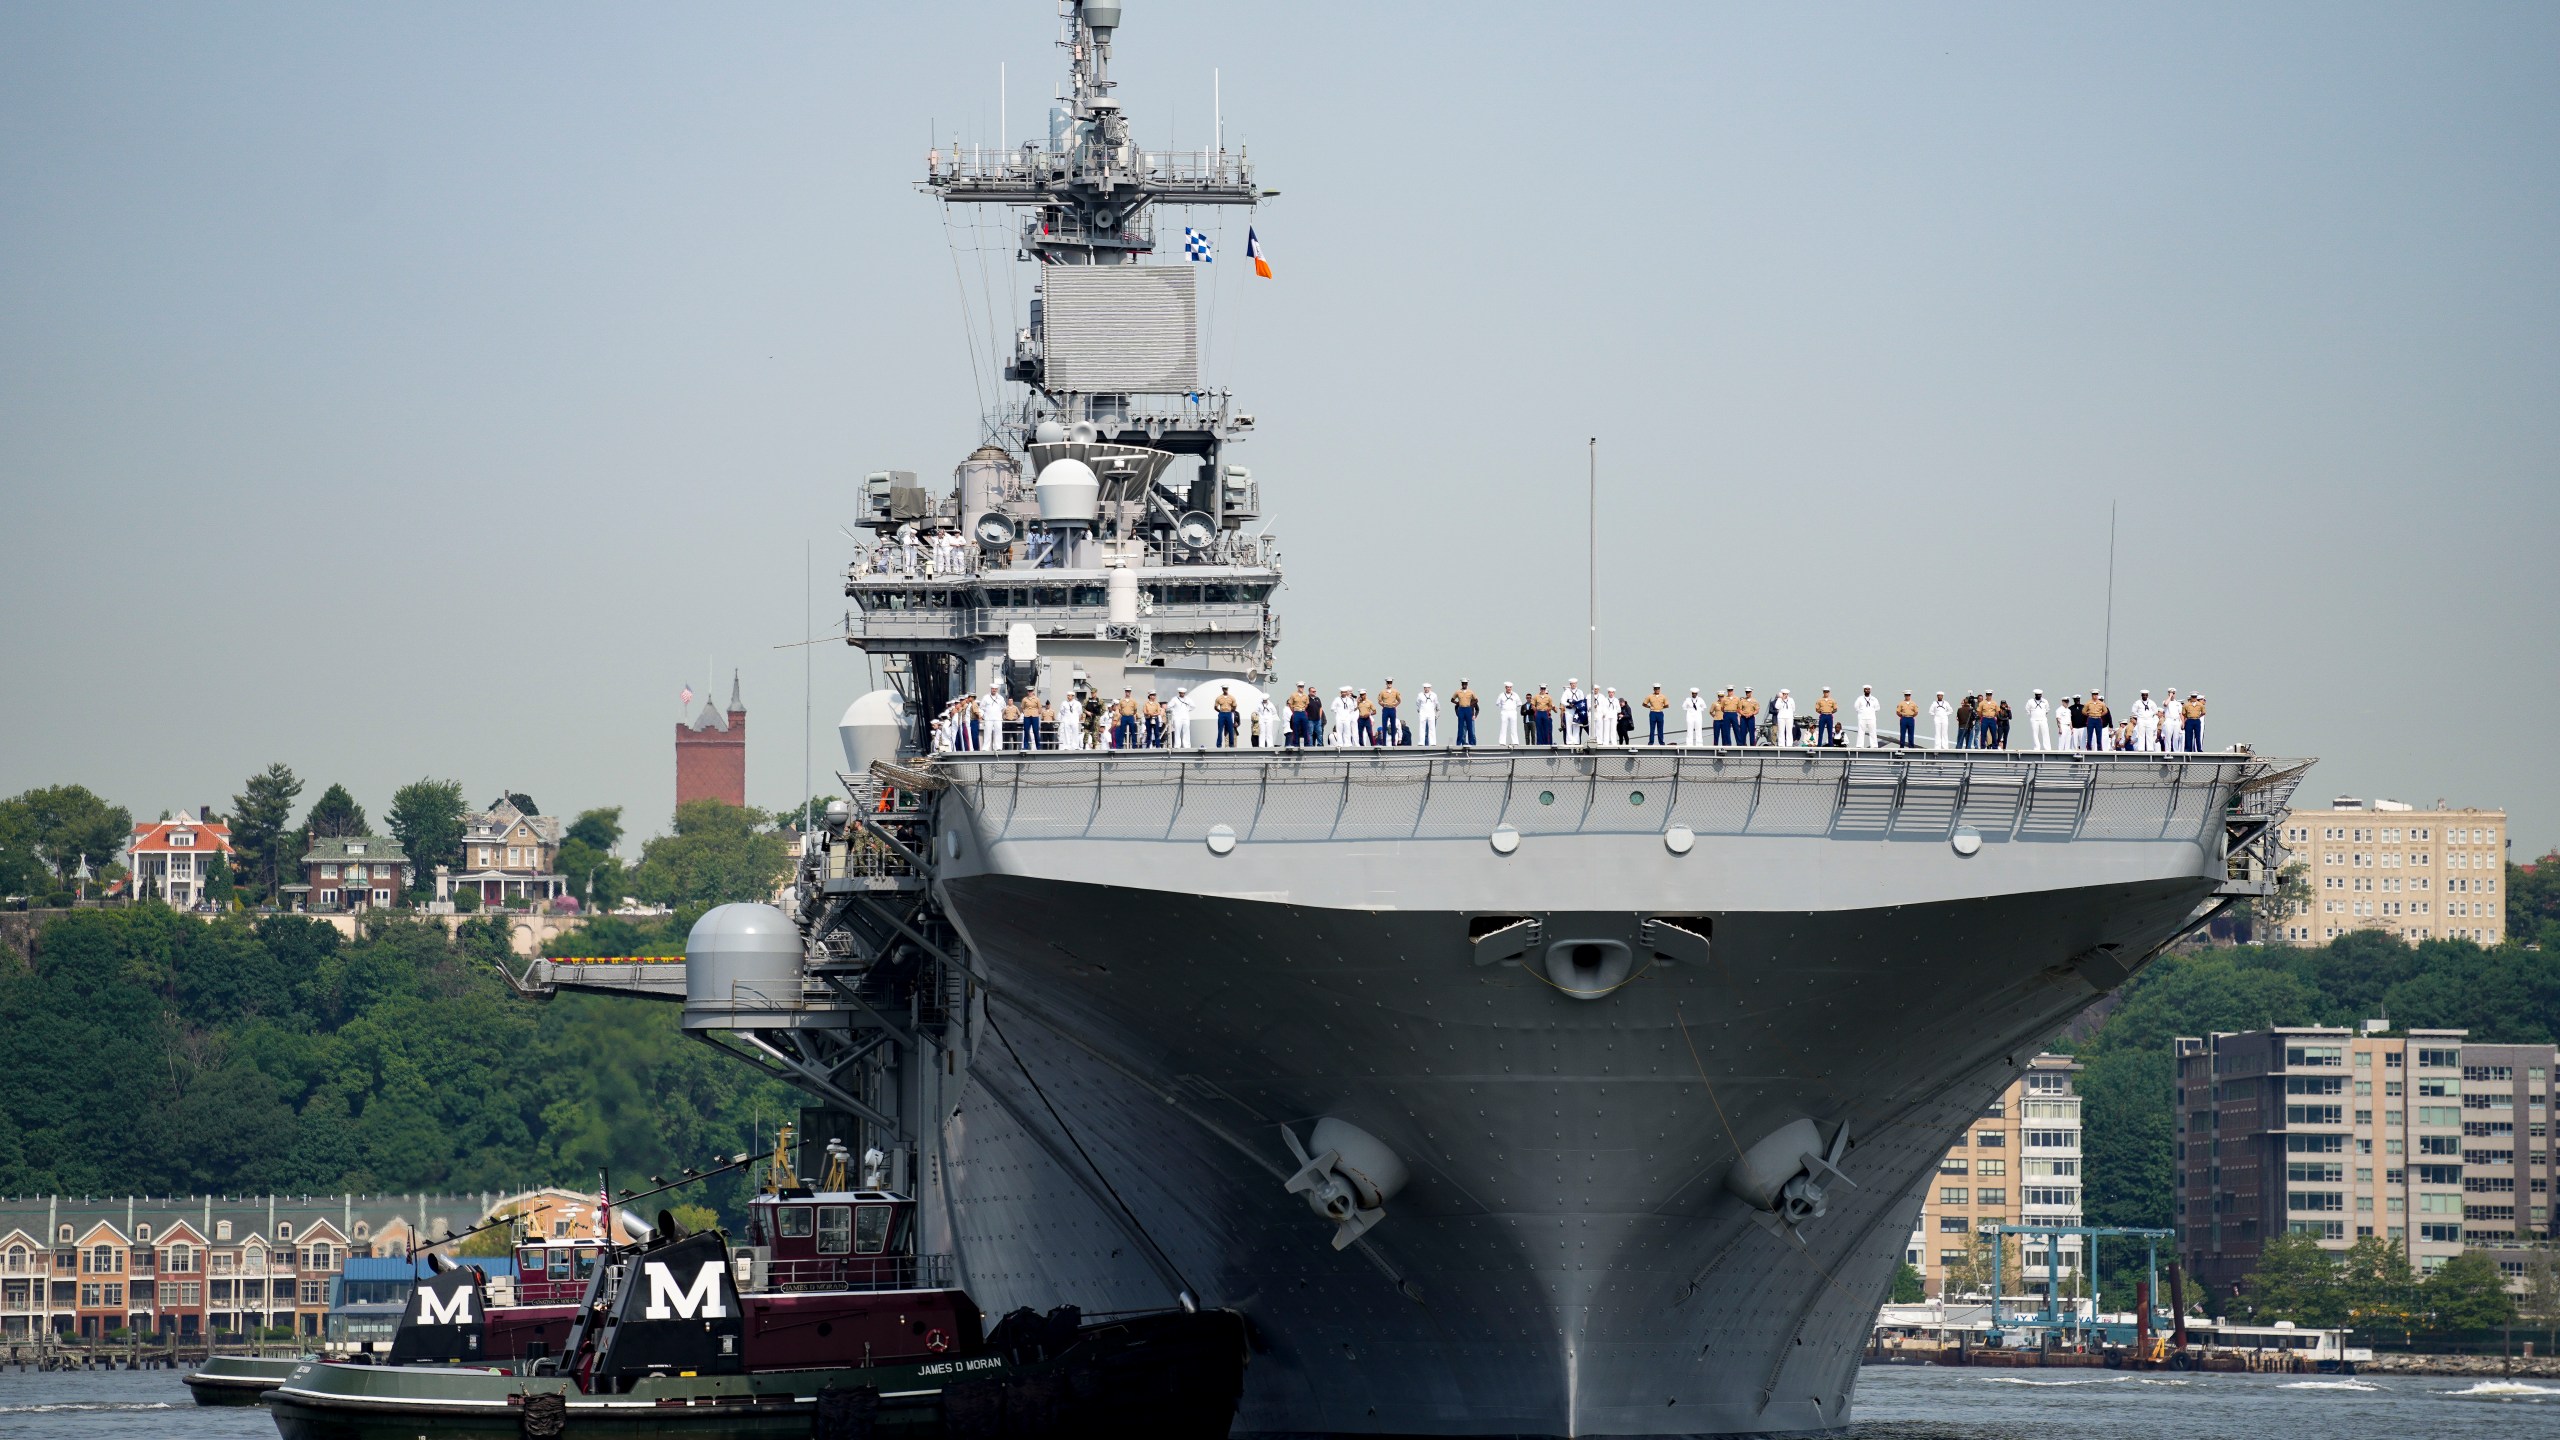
<point>1268,734</point>
<point>2039,722</point>
<point>1426,717</point>
<point>1566,721</point>
<point>907,546</point>
<point>1177,719</point>
<point>1785,709</point>
<point>1865,708</point>
<point>1694,711</point>
<point>2146,722</point>
<point>2172,732</point>
<point>1507,707</point>
<point>1071,723</point>
<point>1940,713</point>
<point>1346,718</point>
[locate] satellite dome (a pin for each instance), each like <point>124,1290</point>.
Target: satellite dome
<point>1050,432</point>
<point>1068,493</point>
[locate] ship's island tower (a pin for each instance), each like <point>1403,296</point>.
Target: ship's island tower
<point>1095,540</point>
<point>711,752</point>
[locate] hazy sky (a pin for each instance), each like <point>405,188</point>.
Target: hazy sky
<point>435,390</point>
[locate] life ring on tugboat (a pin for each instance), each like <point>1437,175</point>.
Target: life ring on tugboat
<point>936,1341</point>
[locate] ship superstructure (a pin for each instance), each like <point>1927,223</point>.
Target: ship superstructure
<point>1097,542</point>
<point>1518,1091</point>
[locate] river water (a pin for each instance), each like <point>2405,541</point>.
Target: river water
<point>1894,1403</point>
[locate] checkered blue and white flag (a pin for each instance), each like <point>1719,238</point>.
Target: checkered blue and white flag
<point>1196,245</point>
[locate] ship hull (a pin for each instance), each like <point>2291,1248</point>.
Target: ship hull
<point>1566,1259</point>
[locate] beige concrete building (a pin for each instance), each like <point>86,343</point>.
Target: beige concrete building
<point>2423,1137</point>
<point>2380,865</point>
<point>2019,1163</point>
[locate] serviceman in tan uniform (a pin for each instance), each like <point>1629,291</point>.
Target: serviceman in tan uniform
<point>1153,710</point>
<point>1542,710</point>
<point>1465,704</point>
<point>1225,705</point>
<point>1656,705</point>
<point>1388,699</point>
<point>1907,720</point>
<point>1749,726</point>
<point>1826,717</point>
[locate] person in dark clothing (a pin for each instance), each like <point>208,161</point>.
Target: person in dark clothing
<point>1965,718</point>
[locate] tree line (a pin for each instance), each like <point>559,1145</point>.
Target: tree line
<point>153,1052</point>
<point>52,835</point>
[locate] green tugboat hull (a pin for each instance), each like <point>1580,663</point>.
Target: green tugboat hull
<point>1174,1376</point>
<point>240,1379</point>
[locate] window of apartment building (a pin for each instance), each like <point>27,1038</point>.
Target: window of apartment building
<point>284,1231</point>
<point>2448,1116</point>
<point>1991,1139</point>
<point>2299,1200</point>
<point>1991,1167</point>
<point>92,1296</point>
<point>2314,1085</point>
<point>2439,1144</point>
<point>1950,1258</point>
<point>2429,1059</point>
<point>1954,1195</point>
<point>1954,1225</point>
<point>221,1229</point>
<point>2316,1172</point>
<point>2323,1229</point>
<point>2315,1114</point>
<point>1997,1109</point>
<point>2441,1234</point>
<point>1947,1165</point>
<point>2049,1139</point>
<point>142,1234</point>
<point>315,1292</point>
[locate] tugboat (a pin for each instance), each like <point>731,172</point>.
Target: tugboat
<point>826,1322</point>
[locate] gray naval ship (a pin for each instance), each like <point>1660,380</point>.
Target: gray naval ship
<point>1517,1091</point>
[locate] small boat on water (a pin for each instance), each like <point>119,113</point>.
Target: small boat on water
<point>825,1323</point>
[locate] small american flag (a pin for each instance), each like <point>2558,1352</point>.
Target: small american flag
<point>686,697</point>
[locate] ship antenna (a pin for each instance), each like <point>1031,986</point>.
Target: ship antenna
<point>2107,658</point>
<point>1592,657</point>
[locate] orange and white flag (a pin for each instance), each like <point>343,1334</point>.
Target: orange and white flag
<point>1253,252</point>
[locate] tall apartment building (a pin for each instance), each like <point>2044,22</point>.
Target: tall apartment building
<point>2381,865</point>
<point>2418,1137</point>
<point>2019,1163</point>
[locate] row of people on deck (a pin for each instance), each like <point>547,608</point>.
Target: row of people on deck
<point>1730,717</point>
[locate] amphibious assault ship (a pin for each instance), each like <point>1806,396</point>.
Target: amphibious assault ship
<point>1521,1091</point>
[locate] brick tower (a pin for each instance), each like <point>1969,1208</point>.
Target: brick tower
<point>711,752</point>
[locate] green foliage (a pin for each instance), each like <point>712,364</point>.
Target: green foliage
<point>597,829</point>
<point>615,935</point>
<point>53,829</point>
<point>2467,1293</point>
<point>426,818</point>
<point>2533,900</point>
<point>523,803</point>
<point>335,814</point>
<point>1907,1289</point>
<point>218,885</point>
<point>260,814</point>
<point>150,1051</point>
<point>719,853</point>
<point>466,900</point>
<point>2295,1280</point>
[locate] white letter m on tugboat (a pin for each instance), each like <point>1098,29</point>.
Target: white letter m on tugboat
<point>667,1301</point>
<point>451,1308</point>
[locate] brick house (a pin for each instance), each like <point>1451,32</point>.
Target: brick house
<point>353,872</point>
<point>166,858</point>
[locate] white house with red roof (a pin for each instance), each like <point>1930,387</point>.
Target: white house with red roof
<point>166,858</point>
